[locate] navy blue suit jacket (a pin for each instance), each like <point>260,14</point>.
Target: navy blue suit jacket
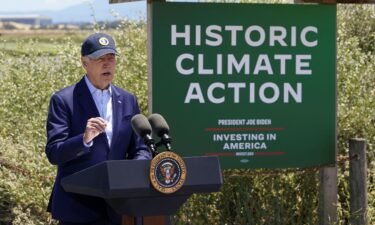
<point>69,110</point>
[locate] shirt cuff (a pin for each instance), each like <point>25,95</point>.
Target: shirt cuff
<point>88,145</point>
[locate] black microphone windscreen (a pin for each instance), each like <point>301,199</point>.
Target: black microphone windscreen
<point>159,125</point>
<point>140,125</point>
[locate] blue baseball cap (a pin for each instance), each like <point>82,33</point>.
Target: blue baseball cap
<point>97,45</point>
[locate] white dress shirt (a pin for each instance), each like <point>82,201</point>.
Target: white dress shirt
<point>103,102</point>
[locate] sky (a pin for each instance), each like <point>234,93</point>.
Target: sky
<point>33,5</point>
<point>44,5</point>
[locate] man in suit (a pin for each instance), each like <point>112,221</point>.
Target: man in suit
<point>88,123</point>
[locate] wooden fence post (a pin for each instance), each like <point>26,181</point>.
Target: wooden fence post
<point>358,182</point>
<point>328,196</point>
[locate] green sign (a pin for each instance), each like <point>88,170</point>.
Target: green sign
<point>252,83</point>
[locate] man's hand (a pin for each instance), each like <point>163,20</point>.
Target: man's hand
<point>94,127</point>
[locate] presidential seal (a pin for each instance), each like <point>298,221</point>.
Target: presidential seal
<point>167,172</point>
<point>103,41</point>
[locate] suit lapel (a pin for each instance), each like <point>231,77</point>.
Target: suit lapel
<point>117,111</point>
<point>85,100</point>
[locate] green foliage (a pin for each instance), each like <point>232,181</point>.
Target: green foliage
<point>132,62</point>
<point>356,94</point>
<point>356,76</point>
<point>31,70</point>
<point>256,197</point>
<point>28,81</point>
<point>358,22</point>
<point>25,184</point>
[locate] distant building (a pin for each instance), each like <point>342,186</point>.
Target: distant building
<point>33,20</point>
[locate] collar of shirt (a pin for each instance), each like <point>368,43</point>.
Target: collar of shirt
<point>93,89</point>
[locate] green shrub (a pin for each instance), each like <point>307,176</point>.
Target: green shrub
<point>26,182</point>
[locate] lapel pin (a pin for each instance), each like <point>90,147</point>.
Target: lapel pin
<point>119,101</point>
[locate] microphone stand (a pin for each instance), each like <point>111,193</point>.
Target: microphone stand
<point>151,145</point>
<point>166,141</point>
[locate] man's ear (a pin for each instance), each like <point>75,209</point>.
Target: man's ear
<point>83,61</point>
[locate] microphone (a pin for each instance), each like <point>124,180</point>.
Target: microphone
<point>142,128</point>
<point>161,129</point>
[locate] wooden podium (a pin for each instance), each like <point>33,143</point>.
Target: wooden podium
<point>126,187</point>
<point>146,220</point>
